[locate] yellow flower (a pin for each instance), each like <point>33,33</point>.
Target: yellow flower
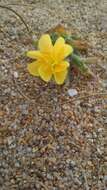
<point>49,59</point>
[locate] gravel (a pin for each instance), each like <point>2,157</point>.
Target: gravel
<point>48,139</point>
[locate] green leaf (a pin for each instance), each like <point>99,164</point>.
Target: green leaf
<point>78,62</point>
<point>54,36</point>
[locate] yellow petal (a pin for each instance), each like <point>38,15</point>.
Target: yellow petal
<point>61,66</point>
<point>59,43</point>
<point>67,50</point>
<point>45,72</point>
<point>58,48</point>
<point>34,67</point>
<point>60,77</point>
<point>46,57</point>
<point>45,43</point>
<point>34,54</point>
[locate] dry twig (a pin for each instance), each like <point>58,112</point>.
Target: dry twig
<point>17,14</point>
<point>104,95</point>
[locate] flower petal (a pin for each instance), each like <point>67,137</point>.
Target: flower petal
<point>61,66</point>
<point>67,50</point>
<point>60,77</point>
<point>33,68</point>
<point>34,54</point>
<point>58,49</point>
<point>45,72</point>
<point>45,43</point>
<point>59,43</point>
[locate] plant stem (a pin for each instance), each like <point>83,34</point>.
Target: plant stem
<point>77,61</point>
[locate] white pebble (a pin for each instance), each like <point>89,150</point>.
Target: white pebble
<point>15,74</point>
<point>72,92</point>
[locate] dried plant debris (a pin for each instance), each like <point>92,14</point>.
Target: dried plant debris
<point>71,37</point>
<point>50,140</point>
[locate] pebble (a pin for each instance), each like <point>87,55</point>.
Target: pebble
<point>13,93</point>
<point>15,74</point>
<point>7,90</point>
<point>10,140</point>
<point>72,92</point>
<point>24,108</point>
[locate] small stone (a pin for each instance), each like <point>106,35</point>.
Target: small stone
<point>5,70</point>
<point>97,109</point>
<point>34,150</point>
<point>72,92</point>
<point>15,74</point>
<point>34,37</point>
<point>7,90</point>
<point>24,109</point>
<point>49,176</point>
<point>10,140</point>
<point>13,93</point>
<point>17,164</point>
<point>105,178</point>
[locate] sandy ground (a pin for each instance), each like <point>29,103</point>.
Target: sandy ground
<point>49,140</point>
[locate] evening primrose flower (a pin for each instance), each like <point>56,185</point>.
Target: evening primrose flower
<point>50,59</point>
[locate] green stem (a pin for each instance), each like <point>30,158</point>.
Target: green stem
<point>77,61</point>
